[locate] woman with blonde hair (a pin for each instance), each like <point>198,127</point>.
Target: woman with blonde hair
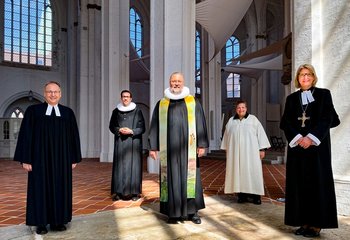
<point>308,116</point>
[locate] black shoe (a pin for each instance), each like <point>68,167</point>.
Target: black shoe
<point>41,230</point>
<point>172,220</point>
<point>257,201</point>
<point>310,233</point>
<point>116,197</point>
<point>196,219</point>
<point>242,198</point>
<point>58,227</point>
<point>300,231</point>
<point>135,198</point>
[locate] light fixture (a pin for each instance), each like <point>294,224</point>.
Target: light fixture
<point>30,95</point>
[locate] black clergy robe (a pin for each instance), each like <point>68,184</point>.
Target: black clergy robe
<point>178,205</point>
<point>127,158</point>
<point>51,145</point>
<point>310,195</point>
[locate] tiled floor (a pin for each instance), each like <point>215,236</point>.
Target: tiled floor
<point>91,187</point>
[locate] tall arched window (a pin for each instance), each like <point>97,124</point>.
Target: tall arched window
<point>6,129</point>
<point>232,49</point>
<point>28,32</point>
<point>136,31</point>
<point>233,86</point>
<point>198,75</point>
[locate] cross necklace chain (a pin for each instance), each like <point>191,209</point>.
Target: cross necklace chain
<point>303,117</point>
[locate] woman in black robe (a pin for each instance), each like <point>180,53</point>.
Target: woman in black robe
<point>308,116</point>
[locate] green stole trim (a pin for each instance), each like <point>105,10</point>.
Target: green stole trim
<point>192,147</point>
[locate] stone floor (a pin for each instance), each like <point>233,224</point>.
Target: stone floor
<point>222,218</point>
<point>95,216</point>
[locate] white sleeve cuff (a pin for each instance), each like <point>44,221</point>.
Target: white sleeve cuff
<point>294,143</point>
<point>315,140</point>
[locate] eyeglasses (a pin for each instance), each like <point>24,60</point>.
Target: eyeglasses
<point>305,75</point>
<point>52,92</point>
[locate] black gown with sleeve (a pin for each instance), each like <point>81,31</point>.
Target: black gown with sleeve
<point>178,205</point>
<point>51,144</point>
<point>127,157</point>
<point>310,195</point>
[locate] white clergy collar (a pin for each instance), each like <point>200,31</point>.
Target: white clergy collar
<point>128,108</point>
<point>168,94</point>
<point>49,110</point>
<point>306,97</point>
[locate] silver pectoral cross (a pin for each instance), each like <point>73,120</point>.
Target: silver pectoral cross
<point>303,118</point>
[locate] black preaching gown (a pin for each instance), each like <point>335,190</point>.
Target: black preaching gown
<point>178,204</point>
<point>127,158</point>
<point>51,145</point>
<point>310,195</point>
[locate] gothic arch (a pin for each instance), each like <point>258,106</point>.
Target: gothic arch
<point>21,100</point>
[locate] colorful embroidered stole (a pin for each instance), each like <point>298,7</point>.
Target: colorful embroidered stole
<point>192,149</point>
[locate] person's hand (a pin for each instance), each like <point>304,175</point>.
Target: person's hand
<point>125,131</point>
<point>305,142</point>
<point>27,167</point>
<point>122,131</point>
<point>129,131</point>
<point>153,154</point>
<point>74,165</point>
<point>200,152</point>
<point>299,140</point>
<point>262,154</point>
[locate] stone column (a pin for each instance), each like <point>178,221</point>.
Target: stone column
<point>83,79</point>
<point>89,95</point>
<point>172,46</point>
<point>258,103</point>
<point>72,56</point>
<point>115,67</point>
<point>172,43</point>
<point>211,89</point>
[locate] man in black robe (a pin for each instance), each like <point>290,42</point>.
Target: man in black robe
<point>308,116</point>
<point>185,126</point>
<point>48,148</point>
<point>127,124</point>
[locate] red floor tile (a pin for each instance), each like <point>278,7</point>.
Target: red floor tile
<point>91,187</point>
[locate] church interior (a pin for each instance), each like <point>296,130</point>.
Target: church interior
<point>227,50</point>
<point>222,65</point>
